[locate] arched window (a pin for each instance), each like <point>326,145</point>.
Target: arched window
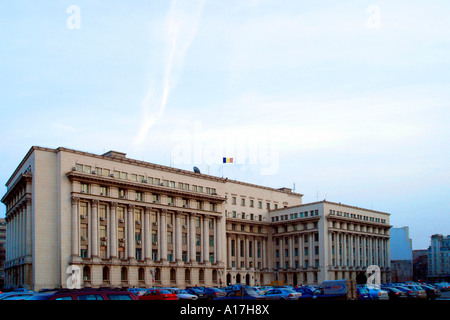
<point>105,274</point>
<point>141,274</point>
<point>124,274</point>
<point>86,273</point>
<point>173,274</point>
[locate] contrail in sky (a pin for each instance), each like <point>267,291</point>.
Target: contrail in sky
<point>182,24</point>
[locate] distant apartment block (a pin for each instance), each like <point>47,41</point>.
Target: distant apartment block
<point>439,257</point>
<point>401,255</point>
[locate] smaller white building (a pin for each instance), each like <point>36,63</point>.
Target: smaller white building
<point>326,241</point>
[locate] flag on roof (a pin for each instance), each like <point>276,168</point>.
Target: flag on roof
<point>227,160</point>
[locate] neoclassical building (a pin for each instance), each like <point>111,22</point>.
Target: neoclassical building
<point>120,222</point>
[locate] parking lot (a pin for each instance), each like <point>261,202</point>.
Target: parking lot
<point>328,290</point>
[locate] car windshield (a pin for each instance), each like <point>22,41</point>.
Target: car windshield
<point>165,292</point>
<point>181,291</point>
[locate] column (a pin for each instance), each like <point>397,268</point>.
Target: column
<point>205,238</point>
<point>281,251</point>
<point>344,250</point>
<point>358,253</point>
<point>163,236</point>
<point>218,240</point>
<point>229,250</point>
<point>291,252</point>
<point>113,230</point>
<point>352,255</point>
<point>178,235</point>
<point>263,253</point>
<point>94,229</point>
<point>75,232</point>
<point>330,252</point>
<point>238,252</point>
<point>29,240</point>
<point>147,235</point>
<point>192,238</point>
<point>311,250</point>
<point>130,232</point>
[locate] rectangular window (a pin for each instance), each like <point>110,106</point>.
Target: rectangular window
<point>84,188</point>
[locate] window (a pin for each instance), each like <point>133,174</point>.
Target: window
<point>138,254</point>
<point>84,188</point>
<point>90,297</point>
<point>83,209</point>
<point>103,191</point>
<point>233,200</point>
<point>119,297</point>
<point>242,202</point>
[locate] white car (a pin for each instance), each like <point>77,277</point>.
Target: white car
<point>184,295</point>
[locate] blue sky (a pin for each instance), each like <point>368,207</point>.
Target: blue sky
<point>346,100</point>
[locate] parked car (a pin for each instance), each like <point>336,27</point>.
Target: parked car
<point>138,291</point>
<point>421,293</point>
<point>13,294</point>
<point>183,294</point>
<point>307,292</point>
<point>199,293</point>
<point>395,293</point>
<point>23,296</point>
<point>443,286</point>
<point>363,293</point>
<point>262,289</point>
<point>158,294</point>
<point>84,294</point>
<point>432,292</point>
<point>212,293</point>
<point>409,293</point>
<point>377,293</point>
<point>242,294</point>
<point>282,294</point>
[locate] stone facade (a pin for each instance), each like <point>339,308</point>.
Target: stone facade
<point>108,220</point>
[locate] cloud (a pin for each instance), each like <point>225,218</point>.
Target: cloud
<point>182,24</point>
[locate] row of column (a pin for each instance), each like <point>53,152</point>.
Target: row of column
<point>302,244</point>
<point>244,255</point>
<point>18,230</point>
<point>356,250</point>
<point>162,246</point>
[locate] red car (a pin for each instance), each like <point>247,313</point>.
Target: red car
<point>158,294</point>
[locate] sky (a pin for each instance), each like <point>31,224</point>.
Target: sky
<point>346,101</point>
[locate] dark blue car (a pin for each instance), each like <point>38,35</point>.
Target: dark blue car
<point>363,293</point>
<point>241,294</point>
<point>307,293</point>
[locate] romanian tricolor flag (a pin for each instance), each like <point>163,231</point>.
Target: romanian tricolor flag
<point>227,160</point>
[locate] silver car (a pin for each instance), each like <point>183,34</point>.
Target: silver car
<point>282,294</point>
<point>184,295</point>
